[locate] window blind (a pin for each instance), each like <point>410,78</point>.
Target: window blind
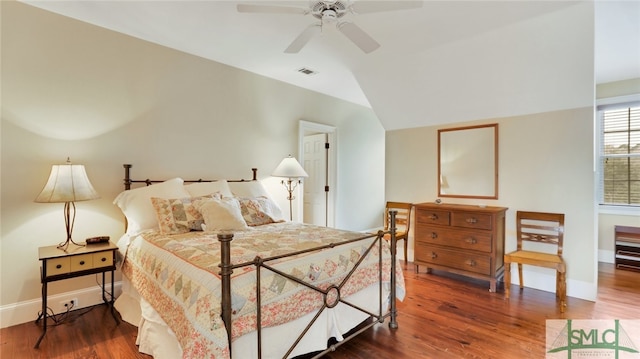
<point>619,154</point>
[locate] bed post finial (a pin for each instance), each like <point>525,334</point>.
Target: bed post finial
<point>127,176</point>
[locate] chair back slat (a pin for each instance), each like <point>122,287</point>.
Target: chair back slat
<point>403,217</point>
<point>541,228</point>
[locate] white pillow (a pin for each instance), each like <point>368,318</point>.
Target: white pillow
<point>206,188</point>
<point>221,215</point>
<point>136,203</point>
<point>248,189</point>
<point>273,210</point>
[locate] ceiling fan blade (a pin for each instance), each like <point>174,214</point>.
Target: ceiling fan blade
<point>302,39</point>
<point>365,7</point>
<point>271,9</point>
<point>365,42</point>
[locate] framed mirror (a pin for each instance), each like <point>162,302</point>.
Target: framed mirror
<point>468,162</point>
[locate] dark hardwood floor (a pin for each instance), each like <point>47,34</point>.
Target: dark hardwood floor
<point>442,316</point>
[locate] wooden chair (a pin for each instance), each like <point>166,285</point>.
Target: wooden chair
<point>403,223</point>
<point>545,228</point>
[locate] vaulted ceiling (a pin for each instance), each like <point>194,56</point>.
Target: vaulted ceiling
<point>442,62</point>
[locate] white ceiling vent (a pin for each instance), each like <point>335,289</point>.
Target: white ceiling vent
<point>307,71</point>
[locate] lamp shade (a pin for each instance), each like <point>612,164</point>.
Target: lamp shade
<point>289,168</point>
<point>67,183</point>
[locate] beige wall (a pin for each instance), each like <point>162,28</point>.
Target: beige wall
<point>104,99</point>
<point>545,164</point>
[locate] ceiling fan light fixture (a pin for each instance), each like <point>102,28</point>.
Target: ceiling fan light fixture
<point>331,11</point>
<point>328,9</point>
<point>329,16</point>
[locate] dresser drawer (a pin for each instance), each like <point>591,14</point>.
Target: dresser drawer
<point>81,262</point>
<point>57,266</point>
<point>461,260</point>
<point>477,241</point>
<point>461,238</point>
<point>471,220</point>
<point>102,259</point>
<point>429,216</point>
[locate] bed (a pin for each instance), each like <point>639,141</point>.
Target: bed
<point>195,252</point>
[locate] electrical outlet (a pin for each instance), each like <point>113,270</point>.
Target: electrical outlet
<point>69,304</point>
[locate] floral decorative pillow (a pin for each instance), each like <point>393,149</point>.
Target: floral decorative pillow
<point>253,212</point>
<point>179,215</point>
<point>259,211</point>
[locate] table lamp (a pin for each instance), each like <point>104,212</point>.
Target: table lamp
<point>67,184</point>
<point>291,169</point>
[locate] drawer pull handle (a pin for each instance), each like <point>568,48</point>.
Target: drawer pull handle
<point>471,240</point>
<point>433,217</point>
<point>81,263</point>
<point>472,220</point>
<point>434,255</point>
<point>104,259</point>
<point>59,266</point>
<point>471,263</point>
<point>434,235</point>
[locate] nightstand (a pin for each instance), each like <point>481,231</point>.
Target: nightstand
<point>76,262</point>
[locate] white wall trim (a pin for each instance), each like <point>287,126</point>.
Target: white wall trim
<point>582,290</point>
<point>331,131</point>
<point>547,282</point>
<point>26,311</point>
<point>606,256</point>
<point>619,210</point>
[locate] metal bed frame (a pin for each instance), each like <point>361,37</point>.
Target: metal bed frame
<point>331,295</point>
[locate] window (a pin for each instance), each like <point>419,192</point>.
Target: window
<point>619,154</point>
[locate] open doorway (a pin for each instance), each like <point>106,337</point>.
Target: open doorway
<point>317,154</point>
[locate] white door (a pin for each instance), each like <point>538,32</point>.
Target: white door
<point>315,164</point>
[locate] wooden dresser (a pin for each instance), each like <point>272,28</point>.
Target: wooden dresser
<point>461,239</point>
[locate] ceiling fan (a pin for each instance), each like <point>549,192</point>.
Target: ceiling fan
<point>330,12</point>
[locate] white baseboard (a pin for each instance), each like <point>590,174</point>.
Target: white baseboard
<point>543,279</point>
<point>23,312</point>
<point>606,256</point>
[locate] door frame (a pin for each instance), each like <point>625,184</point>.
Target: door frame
<point>309,128</point>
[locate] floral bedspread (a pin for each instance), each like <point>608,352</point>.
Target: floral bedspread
<point>178,275</point>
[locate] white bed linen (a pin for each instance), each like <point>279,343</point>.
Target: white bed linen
<point>156,338</point>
